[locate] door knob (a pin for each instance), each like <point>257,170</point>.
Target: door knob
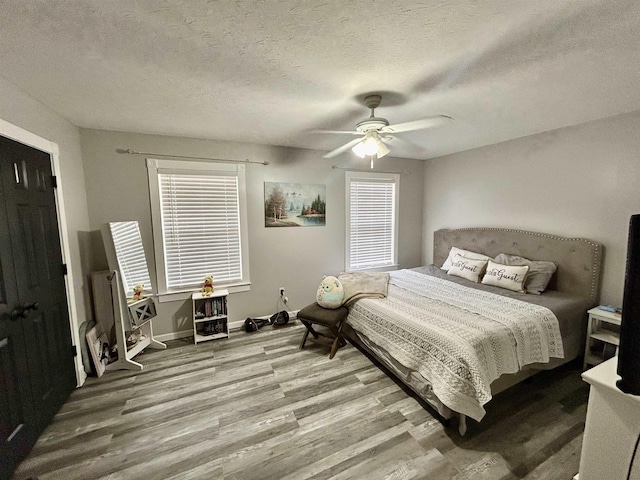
<point>18,313</point>
<point>31,306</point>
<point>21,311</point>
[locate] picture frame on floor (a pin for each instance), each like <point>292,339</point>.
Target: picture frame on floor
<point>98,343</point>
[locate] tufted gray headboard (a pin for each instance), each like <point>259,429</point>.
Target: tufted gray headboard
<point>578,259</point>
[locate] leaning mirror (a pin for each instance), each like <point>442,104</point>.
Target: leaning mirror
<point>130,256</point>
<point>131,289</point>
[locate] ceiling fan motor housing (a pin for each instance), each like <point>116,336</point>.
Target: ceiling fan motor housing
<point>372,123</point>
<point>372,101</point>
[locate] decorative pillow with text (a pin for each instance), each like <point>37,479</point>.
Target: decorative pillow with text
<point>539,275</point>
<point>506,276</point>
<point>467,268</point>
<point>465,253</point>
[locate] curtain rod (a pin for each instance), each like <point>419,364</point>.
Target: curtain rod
<point>185,157</point>
<point>367,170</point>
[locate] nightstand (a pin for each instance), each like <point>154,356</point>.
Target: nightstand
<point>595,332</point>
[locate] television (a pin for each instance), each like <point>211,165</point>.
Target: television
<point>629,349</point>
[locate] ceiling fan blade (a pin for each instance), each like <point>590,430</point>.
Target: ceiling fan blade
<point>343,148</point>
<point>399,141</point>
<point>348,132</point>
<point>428,122</point>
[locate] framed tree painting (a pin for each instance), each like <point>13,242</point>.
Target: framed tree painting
<point>294,204</point>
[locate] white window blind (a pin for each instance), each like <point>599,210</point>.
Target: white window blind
<point>200,228</point>
<point>130,254</point>
<point>372,221</point>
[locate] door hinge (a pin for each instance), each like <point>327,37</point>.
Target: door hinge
<point>64,269</point>
<point>74,352</point>
<point>54,181</point>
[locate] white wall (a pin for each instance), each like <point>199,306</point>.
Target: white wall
<point>581,181</point>
<point>295,257</point>
<point>22,110</point>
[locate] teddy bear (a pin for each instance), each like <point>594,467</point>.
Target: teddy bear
<point>207,286</point>
<point>138,291</point>
<point>330,293</point>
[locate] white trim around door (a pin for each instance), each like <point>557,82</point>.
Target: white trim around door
<point>31,139</point>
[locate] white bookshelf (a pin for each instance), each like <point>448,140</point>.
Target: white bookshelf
<point>210,317</point>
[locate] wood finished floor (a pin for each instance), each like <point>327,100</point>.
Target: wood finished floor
<point>254,406</point>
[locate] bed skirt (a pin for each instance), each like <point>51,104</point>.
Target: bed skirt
<point>421,387</point>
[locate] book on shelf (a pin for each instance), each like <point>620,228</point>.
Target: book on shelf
<point>212,307</point>
<point>213,327</point>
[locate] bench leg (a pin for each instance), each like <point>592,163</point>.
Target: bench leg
<point>309,326</point>
<point>338,342</point>
<point>334,347</point>
<point>309,330</point>
<point>304,339</point>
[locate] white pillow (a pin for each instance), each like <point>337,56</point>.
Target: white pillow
<point>539,275</point>
<point>465,253</point>
<point>506,276</point>
<point>467,268</point>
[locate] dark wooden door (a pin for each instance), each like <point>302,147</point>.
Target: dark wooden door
<point>36,356</point>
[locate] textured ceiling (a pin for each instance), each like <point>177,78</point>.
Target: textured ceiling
<point>270,72</point>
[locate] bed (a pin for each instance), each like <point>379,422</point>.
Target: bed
<point>457,343</point>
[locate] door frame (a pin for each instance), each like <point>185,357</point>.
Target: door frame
<point>25,137</point>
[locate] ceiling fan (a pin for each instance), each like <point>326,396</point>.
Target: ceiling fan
<point>374,131</point>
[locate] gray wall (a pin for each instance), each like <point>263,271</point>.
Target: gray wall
<point>296,258</point>
<point>581,181</point>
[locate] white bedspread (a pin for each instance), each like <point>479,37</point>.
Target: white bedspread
<point>459,338</point>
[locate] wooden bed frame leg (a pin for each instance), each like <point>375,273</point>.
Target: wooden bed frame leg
<point>462,424</point>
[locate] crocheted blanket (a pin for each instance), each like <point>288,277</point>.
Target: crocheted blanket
<point>458,338</point>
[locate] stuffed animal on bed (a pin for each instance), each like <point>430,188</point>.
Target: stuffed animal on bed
<point>330,293</point>
<point>207,286</point>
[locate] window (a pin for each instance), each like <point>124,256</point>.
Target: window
<point>199,224</point>
<point>372,220</point>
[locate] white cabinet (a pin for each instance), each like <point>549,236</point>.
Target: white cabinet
<point>612,428</point>
<point>210,319</point>
<point>600,339</point>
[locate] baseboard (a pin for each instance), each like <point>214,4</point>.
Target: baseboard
<point>239,324</point>
<point>234,326</point>
<point>174,335</point>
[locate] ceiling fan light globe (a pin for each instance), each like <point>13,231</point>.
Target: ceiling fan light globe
<point>370,146</point>
<point>382,150</point>
<point>358,149</point>
<point>367,147</point>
